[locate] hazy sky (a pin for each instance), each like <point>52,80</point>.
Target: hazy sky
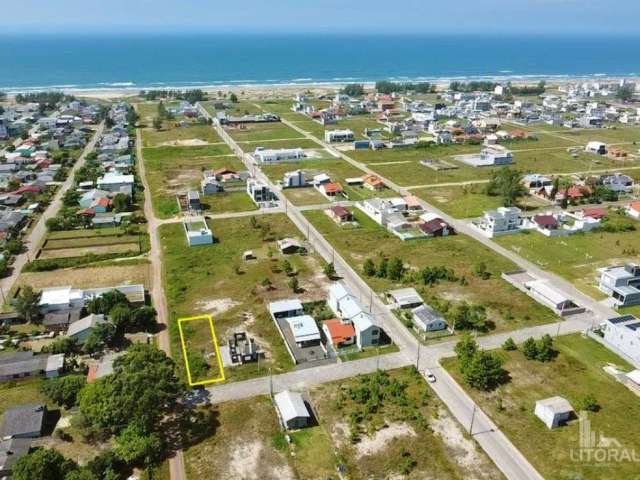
<point>242,16</point>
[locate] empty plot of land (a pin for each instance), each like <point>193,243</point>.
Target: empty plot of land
<point>200,350</point>
<point>88,277</point>
<point>180,135</point>
<point>577,371</point>
<point>255,132</point>
<point>95,250</point>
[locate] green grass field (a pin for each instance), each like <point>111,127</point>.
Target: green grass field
<point>170,134</point>
<point>574,373</point>
<point>577,257</point>
<point>213,279</point>
<point>172,170</point>
<point>228,202</point>
<point>507,307</point>
<point>263,131</point>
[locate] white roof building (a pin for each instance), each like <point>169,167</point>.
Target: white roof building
<point>291,409</point>
<point>304,329</point>
<point>60,298</point>
<point>553,411</point>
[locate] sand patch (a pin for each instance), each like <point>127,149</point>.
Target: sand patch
<point>465,452</point>
<point>378,441</point>
<point>216,306</point>
<point>249,462</point>
<point>191,142</point>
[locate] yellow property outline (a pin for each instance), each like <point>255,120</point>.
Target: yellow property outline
<point>221,378</point>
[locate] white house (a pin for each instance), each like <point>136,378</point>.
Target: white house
<point>502,221</point>
<point>331,136</point>
<point>633,210</point>
<point>292,410</point>
<point>426,319</point>
<point>553,411</point>
<point>115,182</point>
<point>622,284</point>
<point>197,232</point>
<point>348,309</point>
<point>623,334</point>
<point>60,298</point>
<point>294,179</point>
<point>260,193</point>
<point>286,308</point>
<point>305,330</point>
<point>490,155</point>
<point>596,147</point>
<point>264,155</point>
<point>82,329</point>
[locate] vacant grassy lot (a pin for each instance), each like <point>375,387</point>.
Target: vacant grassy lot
<point>262,131</point>
<point>171,134</point>
<point>391,438</point>
<point>356,124</point>
<point>213,279</point>
<point>577,257</point>
<point>201,353</point>
<point>69,247</point>
<point>576,372</point>
<point>468,201</point>
<point>227,202</point>
<point>507,307</point>
<point>607,135</point>
<point>249,147</point>
<point>310,126</point>
<point>240,444</point>
<point>20,392</point>
<point>116,273</point>
<point>171,170</point>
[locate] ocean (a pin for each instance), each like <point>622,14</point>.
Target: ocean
<point>31,62</point>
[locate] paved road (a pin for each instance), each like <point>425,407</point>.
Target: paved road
<point>156,290</point>
<point>504,454</point>
<point>33,240</point>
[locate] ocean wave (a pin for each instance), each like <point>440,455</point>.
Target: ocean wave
<point>118,84</point>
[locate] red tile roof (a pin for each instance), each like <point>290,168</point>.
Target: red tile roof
<point>339,331</point>
<point>333,187</point>
<point>595,212</point>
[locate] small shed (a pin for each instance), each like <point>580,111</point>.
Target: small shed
<point>553,411</point>
<point>289,245</point>
<point>405,297</point>
<point>292,410</point>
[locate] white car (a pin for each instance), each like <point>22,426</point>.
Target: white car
<point>431,378</point>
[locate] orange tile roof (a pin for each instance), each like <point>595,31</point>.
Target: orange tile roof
<point>412,201</point>
<point>339,331</point>
<point>372,180</point>
<point>635,205</point>
<point>333,187</point>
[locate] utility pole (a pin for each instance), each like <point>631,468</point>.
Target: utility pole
<point>558,332</point>
<point>473,416</point>
<point>270,382</point>
<point>418,356</point>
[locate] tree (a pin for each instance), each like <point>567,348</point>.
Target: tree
<point>484,371</point>
<point>27,304</point>
<point>545,351</point>
<point>120,316</point>
<point>64,390</point>
<point>465,316</point>
<point>81,474</point>
<point>625,93</point>
<point>104,335</point>
<point>480,270</point>
<point>143,388</point>
<point>369,268</point>
<point>509,344</point>
<point>589,403</point>
<point>233,97</point>
<point>382,267</point>
<point>105,302</point>
<point>286,267</point>
<point>143,319</point>
<point>266,283</point>
<point>530,349</point>
<point>71,198</point>
<point>506,183</point>
<point>121,202</point>
<point>42,464</point>
<point>133,445</point>
<point>395,269</point>
<point>132,117</point>
<point>465,349</point>
<point>66,345</point>
<point>14,246</point>
<point>353,90</point>
<point>294,284</point>
<point>157,123</point>
<point>330,270</point>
